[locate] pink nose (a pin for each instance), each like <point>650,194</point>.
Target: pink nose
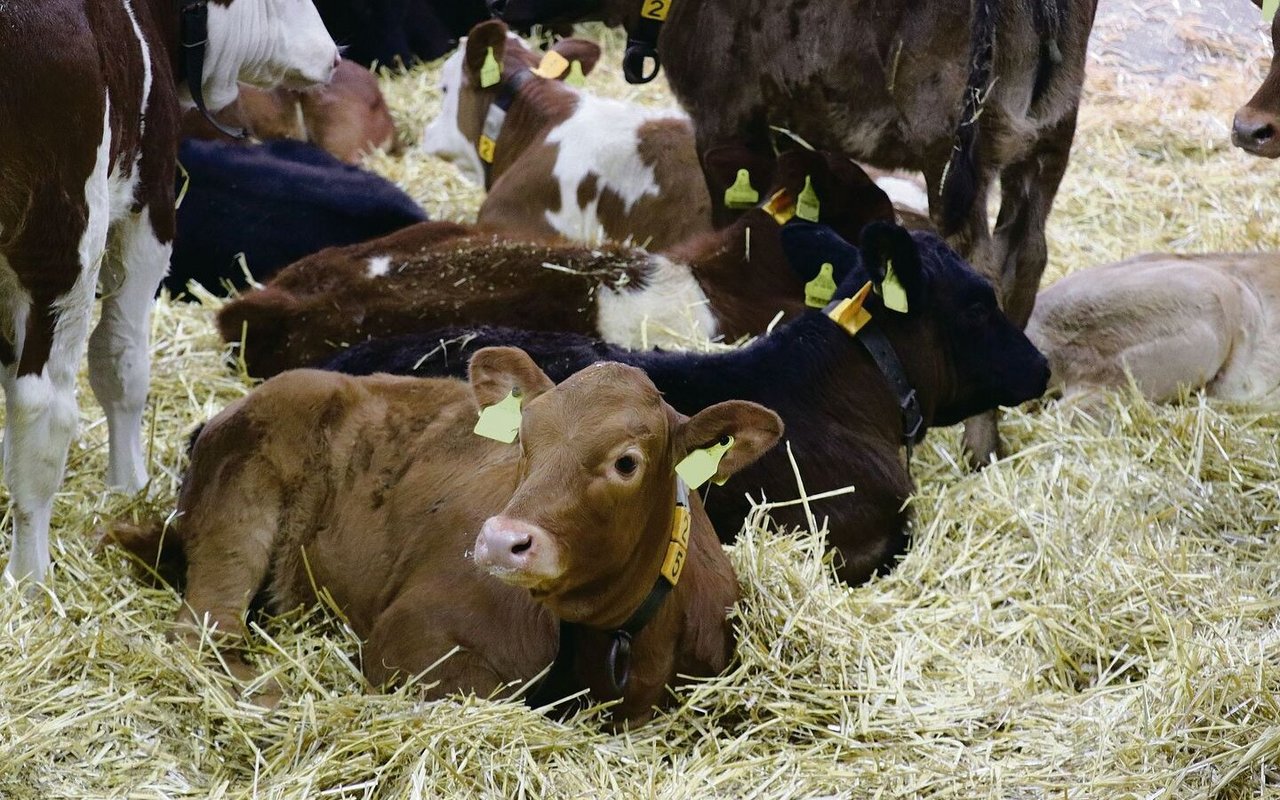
<point>509,545</point>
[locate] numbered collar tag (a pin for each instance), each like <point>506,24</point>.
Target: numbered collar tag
<point>701,465</point>
<point>849,313</point>
<point>678,546</point>
<point>741,194</point>
<point>781,207</point>
<point>553,66</point>
<point>501,421</point>
<point>807,205</point>
<point>656,10</point>
<point>819,291</point>
<point>488,141</point>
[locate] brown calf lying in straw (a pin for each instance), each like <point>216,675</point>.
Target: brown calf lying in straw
<point>348,118</point>
<point>430,537</point>
<point>730,283</point>
<point>1171,321</point>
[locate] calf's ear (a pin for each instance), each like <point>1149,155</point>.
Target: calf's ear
<point>488,35</point>
<point>753,427</point>
<point>497,371</point>
<point>888,247</point>
<point>584,52</point>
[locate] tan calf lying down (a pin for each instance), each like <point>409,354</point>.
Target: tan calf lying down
<point>1171,321</point>
<point>430,537</point>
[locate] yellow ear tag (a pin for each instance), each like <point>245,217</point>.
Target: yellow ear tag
<point>490,72</point>
<point>576,77</point>
<point>553,66</point>
<point>501,421</point>
<point>1269,10</point>
<point>849,313</point>
<point>700,466</point>
<point>485,147</point>
<point>741,194</point>
<point>678,547</point>
<point>895,297</point>
<point>819,291</point>
<point>780,207</point>
<point>807,205</point>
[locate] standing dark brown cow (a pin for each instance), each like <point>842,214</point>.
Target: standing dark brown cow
<point>88,193</point>
<point>1256,128</point>
<point>964,91</point>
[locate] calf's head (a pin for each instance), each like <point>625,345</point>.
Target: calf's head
<point>588,527</point>
<point>465,101</point>
<point>963,354</point>
<point>1256,128</point>
<point>265,43</point>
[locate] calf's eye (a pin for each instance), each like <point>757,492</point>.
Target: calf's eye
<point>625,465</point>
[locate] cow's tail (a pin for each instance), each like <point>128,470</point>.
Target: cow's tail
<point>962,176</point>
<point>155,544</point>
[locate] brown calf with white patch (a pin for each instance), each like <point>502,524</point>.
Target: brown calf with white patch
<point>724,284</point>
<point>88,195</point>
<point>556,160</point>
<point>348,117</point>
<point>1171,322</point>
<point>433,539</point>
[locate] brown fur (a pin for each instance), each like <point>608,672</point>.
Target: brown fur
<point>348,118</point>
<point>374,490</point>
<point>1256,128</point>
<point>444,274</point>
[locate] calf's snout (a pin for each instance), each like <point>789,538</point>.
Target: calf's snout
<point>1255,131</point>
<point>516,552</point>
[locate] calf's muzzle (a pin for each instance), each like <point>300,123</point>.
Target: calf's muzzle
<point>516,552</point>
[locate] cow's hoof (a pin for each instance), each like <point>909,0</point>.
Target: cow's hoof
<point>982,440</point>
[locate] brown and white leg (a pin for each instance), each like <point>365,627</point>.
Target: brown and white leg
<point>40,387</point>
<point>119,358</point>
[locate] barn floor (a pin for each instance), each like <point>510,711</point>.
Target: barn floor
<point>1094,617</point>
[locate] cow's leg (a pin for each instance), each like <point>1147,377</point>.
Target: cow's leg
<point>119,363</point>
<point>1018,252</point>
<point>66,237</point>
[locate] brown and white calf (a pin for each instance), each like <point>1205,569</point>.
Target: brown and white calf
<point>1170,321</point>
<point>432,539</point>
<point>726,284</point>
<point>559,160</point>
<point>348,117</point>
<point>1256,127</point>
<point>87,202</point>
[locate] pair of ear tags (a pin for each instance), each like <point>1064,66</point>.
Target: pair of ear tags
<point>501,422</point>
<point>819,291</point>
<point>552,67</point>
<point>742,195</point>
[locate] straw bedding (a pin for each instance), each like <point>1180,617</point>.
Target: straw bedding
<point>1094,616</point>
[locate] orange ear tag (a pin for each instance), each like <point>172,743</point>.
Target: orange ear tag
<point>781,207</point>
<point>849,313</point>
<point>553,66</point>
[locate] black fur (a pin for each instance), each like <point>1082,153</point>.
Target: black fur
<point>960,188</point>
<point>276,203</point>
<point>399,32</point>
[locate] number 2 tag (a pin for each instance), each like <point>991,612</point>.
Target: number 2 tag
<point>655,9</point>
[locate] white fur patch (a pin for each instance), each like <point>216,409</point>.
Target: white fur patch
<point>146,67</point>
<point>601,138</point>
<point>442,137</point>
<point>905,193</point>
<point>378,267</point>
<point>666,313</point>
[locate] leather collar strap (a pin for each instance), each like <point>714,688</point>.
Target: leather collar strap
<point>496,117</point>
<point>553,687</point>
<point>881,350</point>
<point>193,24</point>
<point>642,43</point>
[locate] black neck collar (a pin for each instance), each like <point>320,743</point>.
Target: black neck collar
<point>193,36</point>
<point>642,41</point>
<point>558,681</point>
<point>496,117</point>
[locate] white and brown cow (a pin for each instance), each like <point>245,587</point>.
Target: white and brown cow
<point>1169,321</point>
<point>87,201</point>
<point>559,160</point>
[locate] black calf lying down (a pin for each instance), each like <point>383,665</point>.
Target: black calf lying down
<point>843,416</point>
<point>276,203</point>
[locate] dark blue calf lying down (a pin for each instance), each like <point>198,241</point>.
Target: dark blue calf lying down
<point>843,416</point>
<point>276,203</point>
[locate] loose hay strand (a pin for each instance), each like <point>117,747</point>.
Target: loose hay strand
<point>1094,617</point>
